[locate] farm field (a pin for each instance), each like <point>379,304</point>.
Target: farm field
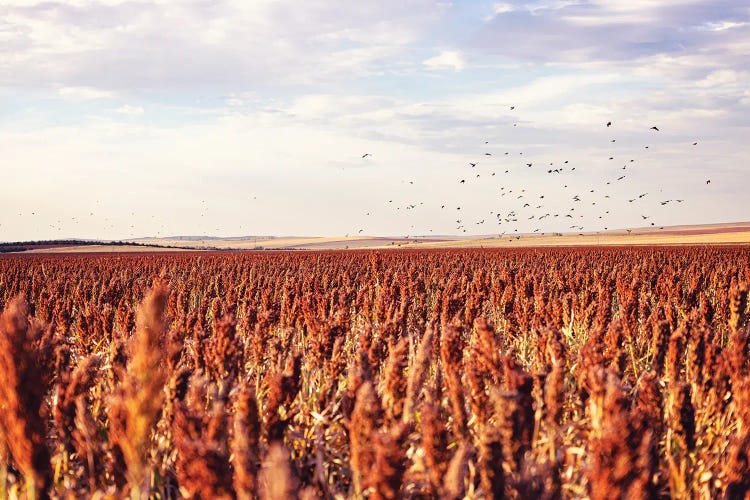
<point>589,372</point>
<point>702,234</point>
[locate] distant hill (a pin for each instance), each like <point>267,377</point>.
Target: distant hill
<point>719,233</point>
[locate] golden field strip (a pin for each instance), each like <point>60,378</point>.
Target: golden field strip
<point>732,233</point>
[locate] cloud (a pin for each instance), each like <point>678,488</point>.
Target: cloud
<point>84,93</point>
<point>569,32</point>
<point>501,8</point>
<point>130,44</point>
<point>130,110</point>
<point>448,59</point>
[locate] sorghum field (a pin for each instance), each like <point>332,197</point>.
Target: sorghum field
<point>556,373</point>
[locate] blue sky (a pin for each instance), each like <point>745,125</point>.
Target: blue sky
<point>225,117</point>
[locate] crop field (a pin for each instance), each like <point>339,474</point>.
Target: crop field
<point>453,373</point>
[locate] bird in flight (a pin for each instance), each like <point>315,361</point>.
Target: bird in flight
<point>366,155</point>
<point>512,108</point>
<point>609,124</point>
<point>654,128</point>
<point>708,181</point>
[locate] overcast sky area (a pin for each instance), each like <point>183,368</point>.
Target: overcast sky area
<point>123,119</point>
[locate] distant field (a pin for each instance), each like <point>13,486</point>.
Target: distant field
<point>731,233</point>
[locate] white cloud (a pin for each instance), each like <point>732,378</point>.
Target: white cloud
<point>84,93</point>
<point>128,45</point>
<point>724,25</point>
<point>448,59</point>
<point>130,110</point>
<point>502,8</point>
<point>722,77</point>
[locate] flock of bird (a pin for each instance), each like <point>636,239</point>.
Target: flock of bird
<point>521,208</point>
<point>527,207</point>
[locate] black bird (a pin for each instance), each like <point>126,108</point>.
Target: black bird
<point>609,124</point>
<point>708,181</point>
<point>695,144</point>
<point>366,155</point>
<point>487,154</point>
<point>463,181</point>
<point>528,164</point>
<point>512,108</point>
<point>473,165</point>
<point>654,128</point>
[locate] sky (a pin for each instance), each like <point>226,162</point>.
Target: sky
<point>123,119</point>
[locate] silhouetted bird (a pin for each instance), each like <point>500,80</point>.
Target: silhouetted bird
<point>609,124</point>
<point>366,155</point>
<point>654,128</point>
